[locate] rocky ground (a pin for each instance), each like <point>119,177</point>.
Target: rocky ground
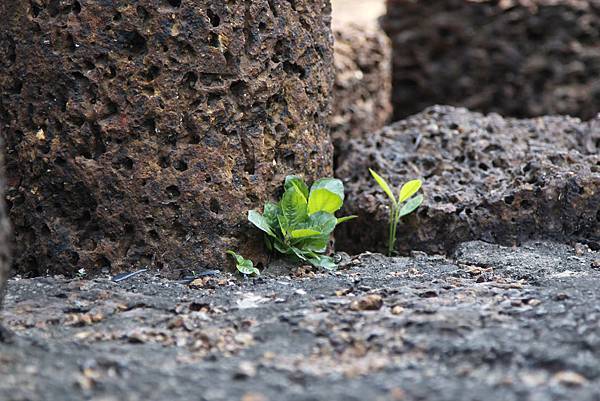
<point>489,323</point>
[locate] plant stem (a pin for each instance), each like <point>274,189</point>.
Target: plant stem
<point>397,222</point>
<point>394,220</point>
<point>391,230</point>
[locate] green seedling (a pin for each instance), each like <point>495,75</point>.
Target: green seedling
<point>301,223</point>
<point>244,266</point>
<point>405,204</point>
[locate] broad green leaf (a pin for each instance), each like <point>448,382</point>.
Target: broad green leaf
<point>323,222</point>
<point>409,189</point>
<point>248,268</point>
<point>384,185</point>
<point>293,207</point>
<point>299,253</point>
<point>323,261</point>
<point>314,244</point>
<point>259,221</point>
<point>244,266</point>
<point>331,184</point>
<point>271,210</point>
<point>304,233</point>
<point>346,218</point>
<point>282,247</point>
<point>238,258</point>
<point>411,205</point>
<point>323,200</point>
<point>293,181</point>
<point>283,224</point>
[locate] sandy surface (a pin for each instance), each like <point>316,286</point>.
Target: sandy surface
<point>361,12</point>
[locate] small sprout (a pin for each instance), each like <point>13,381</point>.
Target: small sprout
<point>300,224</point>
<point>244,266</point>
<point>405,204</point>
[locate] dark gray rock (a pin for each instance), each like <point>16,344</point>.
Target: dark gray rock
<point>485,177</point>
<point>141,133</point>
<point>363,83</point>
<point>520,58</point>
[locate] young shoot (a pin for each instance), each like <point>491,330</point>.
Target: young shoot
<point>244,266</point>
<point>402,205</point>
<point>301,223</point>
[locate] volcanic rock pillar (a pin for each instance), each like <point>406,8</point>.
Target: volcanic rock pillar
<point>4,236</point>
<point>140,133</point>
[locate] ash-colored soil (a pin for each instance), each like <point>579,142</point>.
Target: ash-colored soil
<point>490,323</point>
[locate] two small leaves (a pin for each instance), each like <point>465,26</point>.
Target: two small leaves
<point>244,266</point>
<point>405,193</point>
<point>402,205</point>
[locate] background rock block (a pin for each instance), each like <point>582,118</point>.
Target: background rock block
<point>362,87</point>
<point>518,58</point>
<point>140,133</point>
<point>485,177</point>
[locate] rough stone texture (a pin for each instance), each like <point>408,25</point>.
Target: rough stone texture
<point>362,87</point>
<point>485,177</point>
<point>140,133</point>
<point>4,231</point>
<point>518,58</point>
<point>491,323</point>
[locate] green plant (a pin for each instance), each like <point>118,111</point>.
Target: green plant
<point>300,224</point>
<point>244,266</point>
<point>398,210</point>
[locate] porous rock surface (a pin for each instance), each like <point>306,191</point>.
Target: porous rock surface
<point>512,324</point>
<point>141,133</point>
<point>485,177</point>
<point>520,58</point>
<point>363,82</point>
<point>4,231</point>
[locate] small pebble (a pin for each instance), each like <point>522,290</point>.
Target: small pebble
<point>397,310</point>
<point>368,302</point>
<point>254,397</point>
<point>569,379</point>
<point>245,370</point>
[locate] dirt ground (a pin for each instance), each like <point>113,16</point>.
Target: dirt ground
<point>490,323</point>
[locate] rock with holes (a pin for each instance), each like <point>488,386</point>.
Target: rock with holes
<point>485,177</point>
<point>4,230</point>
<point>520,58</point>
<point>141,133</point>
<point>363,82</point>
